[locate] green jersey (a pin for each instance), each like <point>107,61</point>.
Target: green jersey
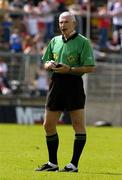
<point>74,52</point>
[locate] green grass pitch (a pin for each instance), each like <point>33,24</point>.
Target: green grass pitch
<point>23,148</point>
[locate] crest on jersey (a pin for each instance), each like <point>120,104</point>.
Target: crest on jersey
<point>70,59</point>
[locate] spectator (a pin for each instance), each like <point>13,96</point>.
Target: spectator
<point>4,4</point>
<point>103,26</point>
<point>41,26</point>
<point>28,7</point>
<point>31,23</point>
<point>3,67</point>
<point>76,9</point>
<point>87,6</point>
<point>16,8</point>
<point>6,26</point>
<point>33,45</point>
<point>40,83</point>
<point>16,5</point>
<point>116,13</point>
<point>61,7</point>
<point>15,41</point>
<point>4,85</point>
<point>39,42</point>
<point>32,48</point>
<point>47,8</point>
<point>27,44</point>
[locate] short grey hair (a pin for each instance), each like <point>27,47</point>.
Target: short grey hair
<point>67,13</point>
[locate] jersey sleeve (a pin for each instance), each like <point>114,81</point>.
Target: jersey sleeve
<point>87,57</point>
<point>48,55</point>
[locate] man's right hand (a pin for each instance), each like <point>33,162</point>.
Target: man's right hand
<point>49,65</point>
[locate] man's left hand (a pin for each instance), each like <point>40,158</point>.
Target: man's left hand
<point>63,69</point>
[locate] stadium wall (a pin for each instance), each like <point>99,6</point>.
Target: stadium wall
<point>25,110</point>
<point>27,115</point>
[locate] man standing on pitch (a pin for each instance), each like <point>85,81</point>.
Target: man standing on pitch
<point>68,57</point>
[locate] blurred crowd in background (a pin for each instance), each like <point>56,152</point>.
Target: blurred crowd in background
<point>27,26</point>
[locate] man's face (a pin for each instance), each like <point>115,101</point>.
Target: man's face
<point>66,25</point>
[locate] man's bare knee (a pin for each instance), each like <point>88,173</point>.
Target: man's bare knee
<point>49,128</point>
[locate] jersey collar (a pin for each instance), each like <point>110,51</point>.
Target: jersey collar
<point>71,37</point>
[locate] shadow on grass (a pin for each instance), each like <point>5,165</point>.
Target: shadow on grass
<point>105,173</point>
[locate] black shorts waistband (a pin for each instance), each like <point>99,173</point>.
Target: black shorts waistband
<point>67,76</point>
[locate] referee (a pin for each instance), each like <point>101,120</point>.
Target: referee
<point>68,57</point>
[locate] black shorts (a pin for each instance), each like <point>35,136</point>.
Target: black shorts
<point>66,93</point>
